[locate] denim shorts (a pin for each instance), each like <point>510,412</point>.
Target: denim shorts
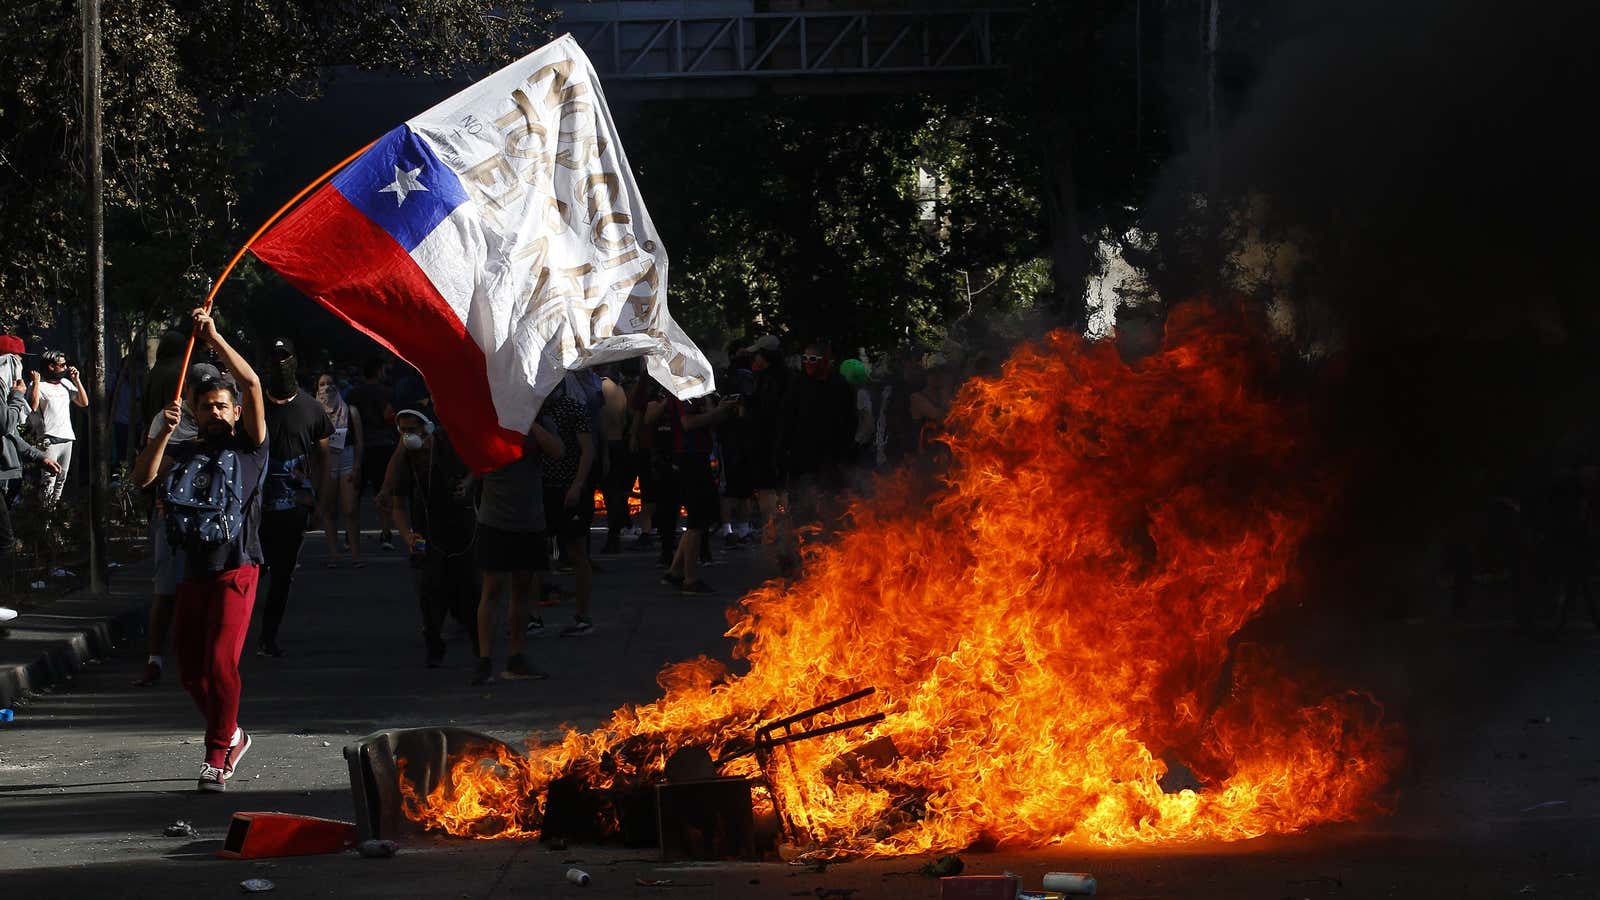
<point>169,562</point>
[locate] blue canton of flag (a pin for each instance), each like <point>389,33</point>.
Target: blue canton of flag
<point>402,186</point>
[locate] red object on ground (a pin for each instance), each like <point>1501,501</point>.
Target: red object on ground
<point>978,887</point>
<point>254,835</point>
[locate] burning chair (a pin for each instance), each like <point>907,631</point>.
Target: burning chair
<point>691,810</point>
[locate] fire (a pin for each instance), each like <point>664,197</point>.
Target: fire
<point>1045,629</point>
<point>635,504</point>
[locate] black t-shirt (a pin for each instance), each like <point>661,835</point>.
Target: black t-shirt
<point>245,549</point>
<point>569,419</point>
<point>429,478</point>
<point>373,401</point>
<point>293,431</point>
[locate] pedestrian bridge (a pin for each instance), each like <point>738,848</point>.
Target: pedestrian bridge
<point>721,48</point>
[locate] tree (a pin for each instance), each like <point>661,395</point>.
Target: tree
<point>863,219</point>
<point>180,77</point>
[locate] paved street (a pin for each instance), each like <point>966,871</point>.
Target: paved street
<point>91,773</point>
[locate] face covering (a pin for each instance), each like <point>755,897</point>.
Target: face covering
<point>52,375</point>
<point>411,441</point>
<point>217,430</point>
<point>280,379</point>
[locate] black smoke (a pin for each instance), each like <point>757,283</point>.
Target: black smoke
<point>1429,162</point>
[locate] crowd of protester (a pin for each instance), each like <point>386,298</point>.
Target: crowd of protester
<point>239,471</point>
<point>772,448</point>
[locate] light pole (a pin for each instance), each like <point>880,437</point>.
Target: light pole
<point>99,431</point>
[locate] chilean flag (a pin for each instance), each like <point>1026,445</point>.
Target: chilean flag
<point>495,242</point>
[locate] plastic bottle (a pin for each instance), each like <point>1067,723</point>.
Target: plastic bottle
<point>1081,883</point>
<point>578,877</point>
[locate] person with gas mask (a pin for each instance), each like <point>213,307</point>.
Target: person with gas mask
<point>298,429</point>
<point>434,516</point>
<point>14,451</point>
<point>52,397</point>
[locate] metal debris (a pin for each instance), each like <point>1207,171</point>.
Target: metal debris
<point>180,828</point>
<point>378,849</point>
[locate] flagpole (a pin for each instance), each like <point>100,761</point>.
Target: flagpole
<point>227,270</point>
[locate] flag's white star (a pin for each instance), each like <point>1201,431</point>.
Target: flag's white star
<point>404,183</point>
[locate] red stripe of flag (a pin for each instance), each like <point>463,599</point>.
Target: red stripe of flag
<point>341,259</point>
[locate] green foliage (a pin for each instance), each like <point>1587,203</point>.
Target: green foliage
<point>861,219</point>
<point>178,77</point>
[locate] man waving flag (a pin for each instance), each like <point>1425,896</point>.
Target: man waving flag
<point>495,242</point>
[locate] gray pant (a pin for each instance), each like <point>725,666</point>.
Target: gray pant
<point>53,485</point>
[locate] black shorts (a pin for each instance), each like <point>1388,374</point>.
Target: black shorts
<point>567,523</point>
<point>738,481</point>
<point>374,465</point>
<point>499,550</point>
<point>698,489</point>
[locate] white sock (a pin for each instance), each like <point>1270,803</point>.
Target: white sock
<point>155,660</point>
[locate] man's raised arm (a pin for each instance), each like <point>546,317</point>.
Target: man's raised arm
<point>254,419</point>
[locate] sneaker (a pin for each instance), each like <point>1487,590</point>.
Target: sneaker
<point>671,580</point>
<point>562,567</point>
<point>386,541</point>
<point>535,626</point>
<point>151,677</point>
<point>484,674</point>
<point>212,780</point>
<point>7,614</point>
<point>236,752</point>
<point>696,586</point>
<point>269,648</point>
<point>580,625</point>
<point>517,669</point>
<point>435,654</point>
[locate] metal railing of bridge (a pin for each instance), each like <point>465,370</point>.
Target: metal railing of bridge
<point>772,45</point>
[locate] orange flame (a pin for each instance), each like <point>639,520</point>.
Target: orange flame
<point>1044,630</point>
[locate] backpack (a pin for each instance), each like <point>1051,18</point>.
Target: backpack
<point>205,501</point>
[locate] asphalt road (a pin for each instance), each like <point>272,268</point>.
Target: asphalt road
<point>91,773</point>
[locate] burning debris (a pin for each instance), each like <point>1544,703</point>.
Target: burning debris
<point>1042,631</point>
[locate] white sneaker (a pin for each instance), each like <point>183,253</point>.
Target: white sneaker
<point>212,779</point>
<point>237,748</point>
<point>7,614</point>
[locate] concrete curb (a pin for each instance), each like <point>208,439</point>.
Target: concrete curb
<point>67,642</point>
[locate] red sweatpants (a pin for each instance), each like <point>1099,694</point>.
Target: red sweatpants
<point>212,618</point>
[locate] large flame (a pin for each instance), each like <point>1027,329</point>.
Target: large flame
<point>1046,630</point>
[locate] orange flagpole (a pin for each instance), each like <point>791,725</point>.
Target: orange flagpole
<point>227,270</point>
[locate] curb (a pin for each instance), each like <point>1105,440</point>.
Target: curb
<point>68,648</point>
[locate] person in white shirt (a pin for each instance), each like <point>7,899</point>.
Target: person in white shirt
<point>52,397</point>
<point>168,561</point>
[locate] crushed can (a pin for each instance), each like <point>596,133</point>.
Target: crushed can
<point>1080,884</point>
